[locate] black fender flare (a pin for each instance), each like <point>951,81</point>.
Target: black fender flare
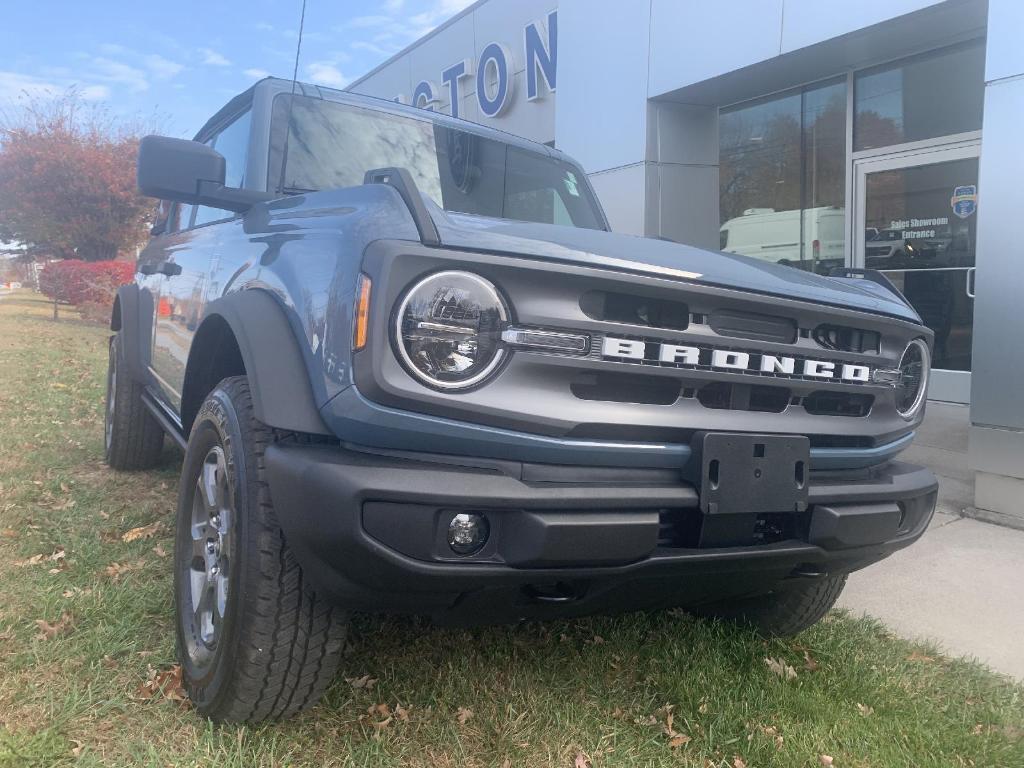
<point>282,394</point>
<point>131,314</point>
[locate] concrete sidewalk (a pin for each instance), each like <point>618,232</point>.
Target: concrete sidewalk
<point>962,585</point>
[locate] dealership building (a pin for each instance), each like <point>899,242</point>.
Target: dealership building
<point>871,133</point>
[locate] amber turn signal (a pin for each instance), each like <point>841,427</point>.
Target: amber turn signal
<point>362,313</point>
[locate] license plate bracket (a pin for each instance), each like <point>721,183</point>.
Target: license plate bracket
<point>752,474</point>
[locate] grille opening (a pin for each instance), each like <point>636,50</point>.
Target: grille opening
<point>747,325</point>
<point>743,397</point>
<point>838,404</point>
<point>689,529</point>
<point>626,388</point>
<point>679,528</point>
<point>844,339</point>
<point>636,310</point>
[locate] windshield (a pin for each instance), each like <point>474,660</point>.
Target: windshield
<point>332,145</point>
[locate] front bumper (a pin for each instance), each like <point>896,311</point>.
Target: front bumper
<point>370,531</point>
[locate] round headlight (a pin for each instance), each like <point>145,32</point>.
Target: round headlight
<point>448,330</point>
<point>914,367</point>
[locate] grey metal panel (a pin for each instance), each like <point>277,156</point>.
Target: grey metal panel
<point>807,22</point>
<point>687,203</point>
<point>950,387</point>
<point>999,451</point>
<point>621,192</point>
<point>602,79</point>
<point>998,357</point>
<point>933,27</point>
<point>694,41</point>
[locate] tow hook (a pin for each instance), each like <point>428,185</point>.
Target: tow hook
<point>808,571</point>
<point>559,592</point>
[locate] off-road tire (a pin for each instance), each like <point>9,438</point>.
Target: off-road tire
<point>132,438</point>
<point>783,613</point>
<point>280,642</point>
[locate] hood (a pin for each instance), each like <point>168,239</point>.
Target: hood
<point>662,258</point>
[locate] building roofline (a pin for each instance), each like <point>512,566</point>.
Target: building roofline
<point>416,43</point>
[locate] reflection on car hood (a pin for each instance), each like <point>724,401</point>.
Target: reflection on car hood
<point>664,259</point>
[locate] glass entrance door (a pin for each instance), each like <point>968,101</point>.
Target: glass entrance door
<point>916,221</point>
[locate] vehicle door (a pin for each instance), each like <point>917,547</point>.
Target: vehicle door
<point>184,266</point>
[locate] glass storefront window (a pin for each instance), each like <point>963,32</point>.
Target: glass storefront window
<point>920,229</point>
<point>782,171</point>
<point>937,94</point>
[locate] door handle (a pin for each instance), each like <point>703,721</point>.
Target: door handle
<point>969,282</point>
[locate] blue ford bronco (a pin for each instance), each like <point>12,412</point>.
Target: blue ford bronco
<point>413,371</point>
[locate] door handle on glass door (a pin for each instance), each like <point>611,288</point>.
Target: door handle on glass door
<point>969,282</point>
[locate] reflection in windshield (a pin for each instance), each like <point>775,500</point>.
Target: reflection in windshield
<point>332,145</point>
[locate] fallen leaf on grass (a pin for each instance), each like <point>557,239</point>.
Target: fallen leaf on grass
<point>581,761</point>
<point>865,710</point>
<point>159,551</point>
<point>809,664</point>
<point>116,570</point>
<point>34,560</point>
<point>677,741</point>
<point>362,683</point>
<point>825,760</point>
<point>781,668</point>
<point>402,713</point>
<point>378,716</point>
<point>142,532</point>
<point>464,715</point>
<point>917,656</point>
<point>48,631</point>
<point>166,683</point>
<point>9,533</point>
<point>738,762</point>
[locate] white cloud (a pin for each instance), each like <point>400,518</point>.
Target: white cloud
<point>265,26</point>
<point>117,72</point>
<point>256,74</point>
<point>214,58</point>
<point>95,92</point>
<point>161,68</point>
<point>377,50</point>
<point>362,22</point>
<point>325,73</point>
<point>393,6</point>
<point>15,86</point>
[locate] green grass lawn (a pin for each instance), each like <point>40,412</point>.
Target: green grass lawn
<point>638,689</point>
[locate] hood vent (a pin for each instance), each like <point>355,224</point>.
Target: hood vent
<point>747,325</point>
<point>635,310</point>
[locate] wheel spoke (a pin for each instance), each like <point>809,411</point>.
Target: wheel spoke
<point>197,585</point>
<point>208,485</point>
<point>222,588</point>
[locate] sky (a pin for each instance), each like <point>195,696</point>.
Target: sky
<point>178,63</point>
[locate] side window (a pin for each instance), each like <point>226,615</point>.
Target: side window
<point>233,144</point>
<point>179,218</point>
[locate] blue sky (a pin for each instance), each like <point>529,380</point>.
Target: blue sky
<point>183,60</point>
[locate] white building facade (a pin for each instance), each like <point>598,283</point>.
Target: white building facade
<point>877,133</point>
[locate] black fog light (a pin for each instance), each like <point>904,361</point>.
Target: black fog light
<point>467,533</point>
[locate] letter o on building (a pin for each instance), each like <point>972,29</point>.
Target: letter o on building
<point>425,95</point>
<point>494,58</point>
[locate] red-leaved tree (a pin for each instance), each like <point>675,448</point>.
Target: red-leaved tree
<point>67,182</point>
<point>88,286</point>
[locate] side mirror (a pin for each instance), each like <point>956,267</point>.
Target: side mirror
<point>189,172</point>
